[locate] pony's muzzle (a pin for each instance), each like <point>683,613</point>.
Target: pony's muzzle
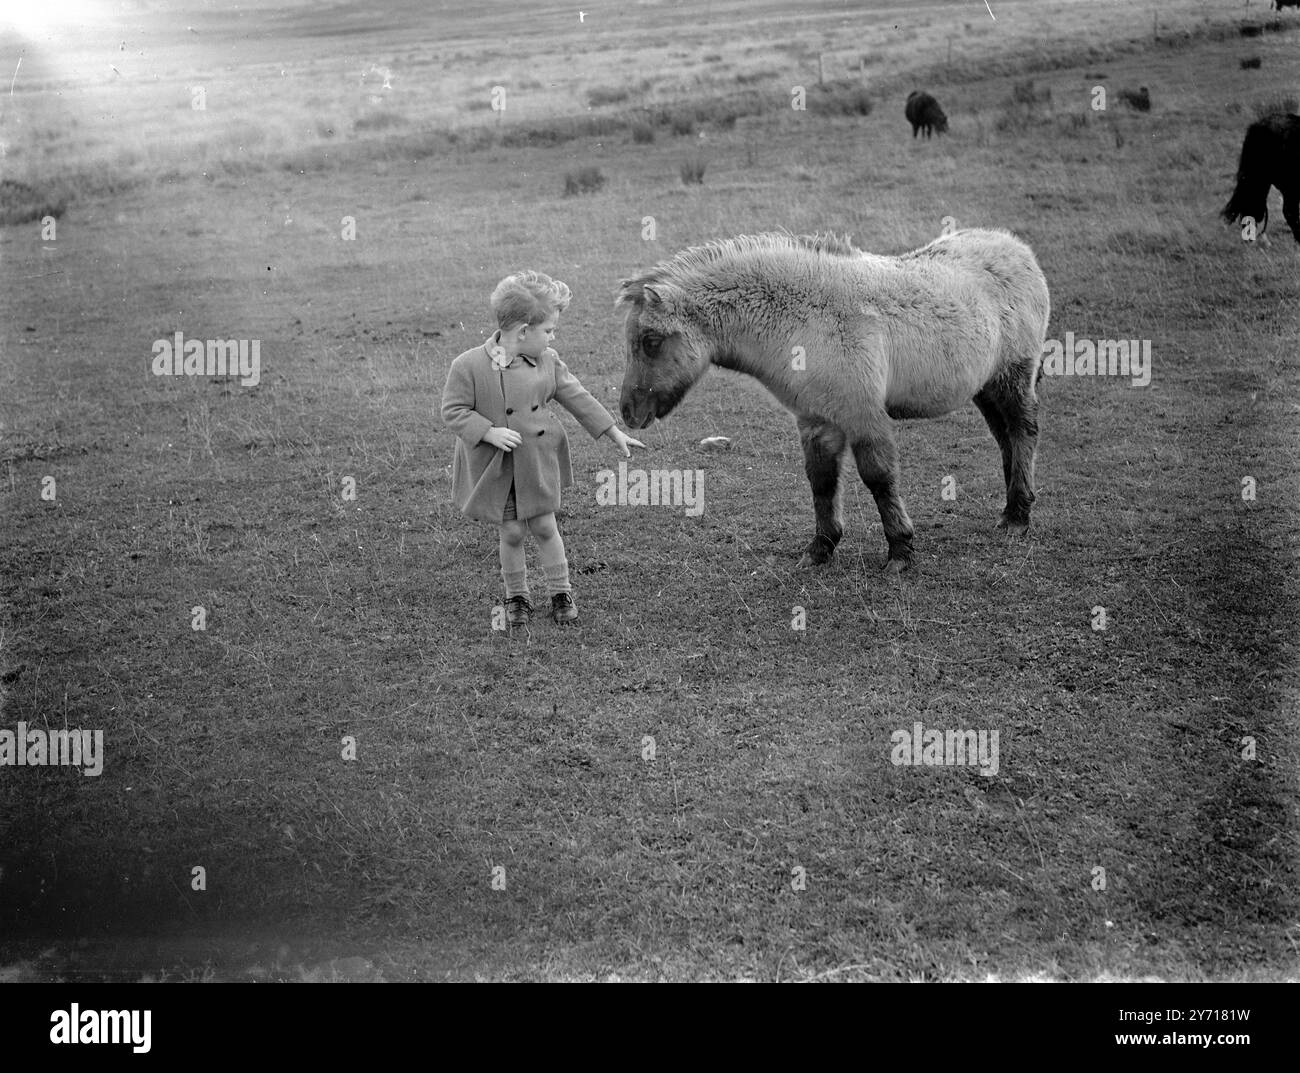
<point>638,410</point>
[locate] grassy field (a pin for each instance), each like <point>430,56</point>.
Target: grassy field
<point>522,758</point>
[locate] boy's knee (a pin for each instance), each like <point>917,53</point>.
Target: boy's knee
<point>512,532</point>
<point>544,527</point>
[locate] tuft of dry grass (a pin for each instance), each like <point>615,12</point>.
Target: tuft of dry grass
<point>1269,105</point>
<point>840,98</point>
<point>21,203</point>
<point>586,180</point>
<point>692,170</point>
<point>604,96</point>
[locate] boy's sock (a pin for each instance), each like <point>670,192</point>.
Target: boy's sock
<point>516,582</point>
<point>557,576</point>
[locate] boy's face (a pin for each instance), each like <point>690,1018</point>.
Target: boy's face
<point>537,337</point>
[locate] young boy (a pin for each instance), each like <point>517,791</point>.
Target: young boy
<point>512,455</point>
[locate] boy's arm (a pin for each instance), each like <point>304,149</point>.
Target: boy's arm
<point>580,402</point>
<point>458,412</point>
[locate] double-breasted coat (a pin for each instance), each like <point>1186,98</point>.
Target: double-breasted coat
<point>478,396</point>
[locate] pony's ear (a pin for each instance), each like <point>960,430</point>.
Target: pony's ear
<point>631,292</point>
<point>637,292</point>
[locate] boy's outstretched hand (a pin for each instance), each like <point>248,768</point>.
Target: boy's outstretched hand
<point>623,440</point>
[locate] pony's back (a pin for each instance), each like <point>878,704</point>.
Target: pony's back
<point>999,261</point>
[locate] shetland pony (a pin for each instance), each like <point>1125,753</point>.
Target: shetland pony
<point>849,342</point>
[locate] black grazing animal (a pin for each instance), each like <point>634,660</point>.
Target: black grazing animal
<point>923,112</point>
<point>1141,100</point>
<point>1270,156</point>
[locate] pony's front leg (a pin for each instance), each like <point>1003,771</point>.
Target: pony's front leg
<point>822,447</point>
<point>877,460</point>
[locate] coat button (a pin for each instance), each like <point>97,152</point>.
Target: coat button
<point>509,411</point>
<point>541,432</point>
<point>534,407</point>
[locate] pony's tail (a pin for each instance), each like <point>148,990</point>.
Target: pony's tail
<point>1250,197</point>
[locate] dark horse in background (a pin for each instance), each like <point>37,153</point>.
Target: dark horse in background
<point>1270,156</point>
<point>924,113</point>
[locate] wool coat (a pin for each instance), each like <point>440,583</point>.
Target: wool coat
<point>479,396</point>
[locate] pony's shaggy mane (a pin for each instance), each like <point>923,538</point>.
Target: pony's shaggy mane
<point>678,269</point>
<point>829,242</point>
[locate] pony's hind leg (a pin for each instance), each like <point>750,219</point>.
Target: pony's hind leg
<point>998,426</point>
<point>1291,209</point>
<point>877,460</point>
<point>822,447</point>
<point>1017,406</point>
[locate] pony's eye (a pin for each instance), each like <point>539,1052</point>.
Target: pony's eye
<point>651,342</point>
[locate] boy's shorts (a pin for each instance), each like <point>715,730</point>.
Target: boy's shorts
<point>510,515</point>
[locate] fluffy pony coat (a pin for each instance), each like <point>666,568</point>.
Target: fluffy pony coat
<point>920,333</point>
<point>848,341</point>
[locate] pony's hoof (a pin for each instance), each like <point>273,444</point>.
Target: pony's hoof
<point>1013,528</point>
<point>896,566</point>
<point>816,554</point>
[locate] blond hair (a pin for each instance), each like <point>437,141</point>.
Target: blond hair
<point>528,298</point>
